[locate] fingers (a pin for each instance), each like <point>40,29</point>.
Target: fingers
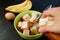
<point>52,12</point>
<point>45,13</point>
<point>52,28</point>
<point>48,13</point>
<point>45,29</point>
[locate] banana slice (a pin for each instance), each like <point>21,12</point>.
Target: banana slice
<point>34,29</point>
<point>26,32</point>
<point>26,5</point>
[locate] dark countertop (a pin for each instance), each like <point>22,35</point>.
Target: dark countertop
<point>7,31</point>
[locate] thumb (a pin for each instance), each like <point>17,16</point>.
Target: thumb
<point>46,29</point>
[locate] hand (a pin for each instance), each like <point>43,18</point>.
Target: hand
<point>55,28</point>
<point>55,12</point>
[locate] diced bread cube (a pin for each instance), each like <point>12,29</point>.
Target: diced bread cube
<point>23,25</point>
<point>34,26</point>
<point>19,24</point>
<point>30,24</point>
<point>49,23</point>
<point>26,32</point>
<point>19,28</point>
<point>42,21</point>
<point>26,17</point>
<point>34,16</point>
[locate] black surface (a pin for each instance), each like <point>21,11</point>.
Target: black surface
<point>7,31</point>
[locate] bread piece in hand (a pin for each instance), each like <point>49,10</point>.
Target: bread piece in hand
<point>26,32</point>
<point>43,21</point>
<point>49,23</point>
<point>33,17</point>
<point>26,17</point>
<point>50,18</point>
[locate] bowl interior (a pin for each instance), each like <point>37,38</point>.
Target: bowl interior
<point>18,18</point>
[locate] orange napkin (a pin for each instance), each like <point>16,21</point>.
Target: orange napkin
<point>52,36</point>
